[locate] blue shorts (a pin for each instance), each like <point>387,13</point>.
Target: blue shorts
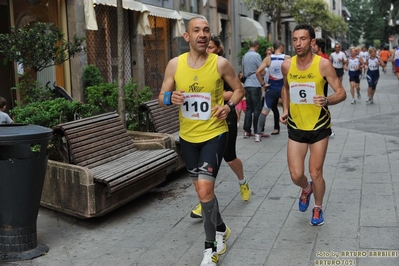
<point>271,98</point>
<point>372,78</point>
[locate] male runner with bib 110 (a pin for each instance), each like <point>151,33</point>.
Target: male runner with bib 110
<point>194,81</point>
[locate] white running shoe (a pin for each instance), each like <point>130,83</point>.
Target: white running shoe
<point>369,101</point>
<point>353,101</point>
<point>210,258</point>
<point>221,238</point>
<point>332,133</point>
<point>258,138</point>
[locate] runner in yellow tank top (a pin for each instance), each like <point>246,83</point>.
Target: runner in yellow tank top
<point>304,85</point>
<point>203,90</point>
<point>194,81</point>
<point>308,119</point>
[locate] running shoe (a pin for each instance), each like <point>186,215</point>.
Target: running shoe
<point>245,192</point>
<point>317,217</point>
<point>197,211</point>
<point>369,101</point>
<point>257,138</point>
<point>353,101</point>
<point>247,134</point>
<point>221,238</point>
<point>305,199</point>
<point>263,135</point>
<point>332,133</point>
<point>358,95</point>
<point>210,258</point>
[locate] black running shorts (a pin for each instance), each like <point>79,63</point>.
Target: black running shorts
<point>310,137</point>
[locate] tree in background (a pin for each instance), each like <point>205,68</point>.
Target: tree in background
<point>263,45</point>
<point>37,46</point>
<point>370,19</point>
<point>273,9</point>
<point>317,14</point>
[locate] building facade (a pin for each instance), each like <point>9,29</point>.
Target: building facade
<point>152,36</point>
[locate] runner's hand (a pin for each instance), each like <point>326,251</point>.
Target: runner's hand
<point>283,118</point>
<point>178,97</point>
<point>221,112</point>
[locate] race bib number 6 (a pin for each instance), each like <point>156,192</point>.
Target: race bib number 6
<point>197,106</point>
<point>302,93</point>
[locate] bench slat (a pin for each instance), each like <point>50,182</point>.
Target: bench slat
<point>164,119</point>
<point>102,144</point>
<point>128,163</point>
<point>121,177</point>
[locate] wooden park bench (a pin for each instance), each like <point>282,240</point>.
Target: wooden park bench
<point>163,120</point>
<point>160,119</point>
<point>120,171</point>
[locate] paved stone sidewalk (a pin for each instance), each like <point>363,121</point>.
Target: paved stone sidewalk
<point>360,205</point>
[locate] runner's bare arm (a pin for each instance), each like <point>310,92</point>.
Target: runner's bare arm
<point>168,84</point>
<point>265,63</point>
<point>285,92</point>
<point>226,71</point>
<point>328,71</point>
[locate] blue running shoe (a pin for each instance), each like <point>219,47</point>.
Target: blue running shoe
<point>317,217</point>
<point>305,199</point>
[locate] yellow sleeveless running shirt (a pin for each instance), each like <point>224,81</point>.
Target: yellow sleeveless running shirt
<point>303,85</point>
<point>203,90</point>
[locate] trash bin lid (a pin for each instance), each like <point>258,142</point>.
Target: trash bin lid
<point>12,133</point>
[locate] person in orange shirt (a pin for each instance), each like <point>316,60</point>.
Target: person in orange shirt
<point>384,55</point>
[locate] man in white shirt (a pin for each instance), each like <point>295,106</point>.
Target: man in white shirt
<point>338,59</point>
<point>364,55</point>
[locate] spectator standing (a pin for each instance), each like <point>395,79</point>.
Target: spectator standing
<point>4,117</point>
<point>253,92</point>
<point>241,106</point>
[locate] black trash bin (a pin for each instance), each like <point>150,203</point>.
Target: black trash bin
<point>23,161</point>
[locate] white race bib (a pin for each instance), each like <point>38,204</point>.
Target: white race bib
<point>197,106</point>
<point>302,93</point>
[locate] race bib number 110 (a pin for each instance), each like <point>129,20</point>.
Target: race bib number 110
<point>197,106</point>
<point>302,92</point>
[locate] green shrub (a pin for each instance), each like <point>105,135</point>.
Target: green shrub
<point>263,45</point>
<point>105,98</point>
<point>134,97</point>
<point>31,91</point>
<point>50,113</point>
<point>91,76</point>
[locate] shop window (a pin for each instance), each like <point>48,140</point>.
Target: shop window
<point>156,53</point>
<point>102,45</point>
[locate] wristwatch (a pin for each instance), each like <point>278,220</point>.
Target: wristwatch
<point>264,84</point>
<point>232,106</point>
